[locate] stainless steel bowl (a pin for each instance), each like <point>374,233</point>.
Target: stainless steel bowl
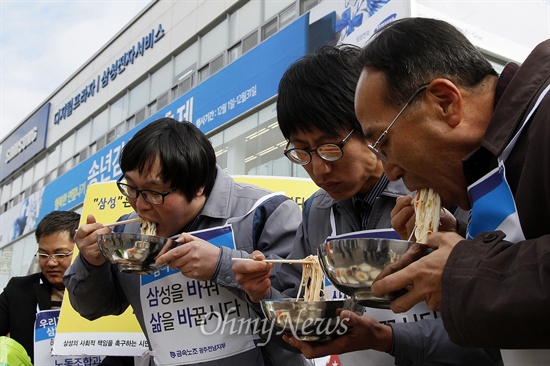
<point>352,265</point>
<point>134,253</point>
<point>308,320</point>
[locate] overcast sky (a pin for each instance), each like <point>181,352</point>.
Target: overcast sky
<point>43,42</point>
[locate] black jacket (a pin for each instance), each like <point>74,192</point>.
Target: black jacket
<point>496,293</point>
<point>18,308</point>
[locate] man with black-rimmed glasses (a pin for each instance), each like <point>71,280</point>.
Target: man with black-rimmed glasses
<point>170,178</point>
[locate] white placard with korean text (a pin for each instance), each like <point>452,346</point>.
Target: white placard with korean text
<point>190,321</point>
<point>44,333</point>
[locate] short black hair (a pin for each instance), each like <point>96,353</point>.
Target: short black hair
<point>318,91</point>
<point>414,51</point>
<point>187,158</point>
<point>58,222</point>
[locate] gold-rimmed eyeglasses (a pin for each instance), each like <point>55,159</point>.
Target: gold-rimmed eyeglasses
<point>372,147</point>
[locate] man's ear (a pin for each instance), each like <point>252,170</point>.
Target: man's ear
<point>446,97</point>
<point>200,192</point>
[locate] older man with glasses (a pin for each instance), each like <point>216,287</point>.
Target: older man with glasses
<point>481,141</point>
<point>26,296</point>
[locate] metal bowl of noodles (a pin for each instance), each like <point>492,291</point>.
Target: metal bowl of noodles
<point>308,320</point>
<point>352,265</point>
<point>134,253</point>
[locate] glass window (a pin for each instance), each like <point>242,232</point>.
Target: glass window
<point>204,73</point>
<point>23,255</point>
<point>183,86</point>
<point>160,81</point>
<point>234,53</point>
<point>27,178</point>
<point>250,42</point>
<point>48,178</point>
<point>110,136</point>
<point>83,135</point>
<point>307,5</point>
<point>269,29</point>
<point>185,63</point>
<point>16,185</point>
<point>53,159</point>
<point>37,185</point>
<point>163,100</point>
<point>138,98</point>
<point>100,124</point>
<point>40,168</point>
<point>213,43</point>
<point>60,170</point>
<point>287,16</point>
<point>272,8</point>
<point>6,192</point>
<point>83,155</point>
<point>216,64</point>
<point>116,112</point>
<point>254,146</point>
<point>153,108</point>
<point>68,147</point>
<point>244,20</point>
<point>140,116</point>
<point>100,143</point>
<point>131,122</point>
<point>121,129</point>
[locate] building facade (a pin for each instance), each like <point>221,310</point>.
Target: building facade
<point>216,64</point>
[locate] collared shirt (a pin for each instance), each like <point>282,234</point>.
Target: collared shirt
<point>363,205</point>
<point>504,79</point>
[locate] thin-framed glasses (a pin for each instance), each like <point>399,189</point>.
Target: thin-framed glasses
<point>153,197</point>
<point>328,152</point>
<point>373,148</point>
<point>43,257</point>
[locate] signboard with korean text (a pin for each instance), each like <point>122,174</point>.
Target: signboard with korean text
<point>244,84</point>
<point>201,310</point>
<point>44,334</point>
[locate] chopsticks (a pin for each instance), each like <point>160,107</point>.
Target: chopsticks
<point>412,233</point>
<point>123,222</point>
<point>290,261</point>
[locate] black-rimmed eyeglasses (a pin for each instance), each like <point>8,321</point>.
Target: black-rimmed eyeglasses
<point>43,257</point>
<point>154,197</point>
<point>328,152</point>
<point>373,148</point>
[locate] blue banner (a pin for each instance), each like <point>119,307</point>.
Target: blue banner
<point>247,82</point>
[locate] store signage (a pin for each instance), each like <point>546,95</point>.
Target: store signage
<point>110,74</point>
<point>25,142</point>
